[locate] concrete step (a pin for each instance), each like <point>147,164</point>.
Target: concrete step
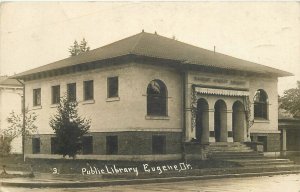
<point>227,157</point>
<point>262,162</point>
<point>235,153</point>
<point>230,150</point>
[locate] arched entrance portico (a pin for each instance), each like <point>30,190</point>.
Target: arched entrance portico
<point>202,129</point>
<point>238,122</point>
<point>220,121</point>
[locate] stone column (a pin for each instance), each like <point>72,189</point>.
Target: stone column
<point>284,142</point>
<point>188,124</point>
<point>229,126</point>
<point>211,125</point>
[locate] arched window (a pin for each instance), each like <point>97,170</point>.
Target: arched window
<point>157,98</point>
<point>261,104</point>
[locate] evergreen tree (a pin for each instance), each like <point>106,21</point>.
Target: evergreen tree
<point>77,49</point>
<point>69,128</point>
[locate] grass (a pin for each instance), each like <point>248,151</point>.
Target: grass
<point>70,166</point>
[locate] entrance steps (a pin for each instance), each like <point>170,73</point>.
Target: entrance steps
<point>244,156</point>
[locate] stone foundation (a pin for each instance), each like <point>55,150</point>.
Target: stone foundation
<point>270,141</point>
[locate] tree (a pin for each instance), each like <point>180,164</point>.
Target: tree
<point>15,129</point>
<point>69,128</point>
<point>290,100</point>
<point>77,49</point>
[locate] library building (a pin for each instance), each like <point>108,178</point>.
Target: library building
<point>151,97</point>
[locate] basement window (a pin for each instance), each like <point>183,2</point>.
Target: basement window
<point>158,144</point>
<point>36,143</point>
<point>87,145</point>
<point>111,145</point>
<point>54,146</point>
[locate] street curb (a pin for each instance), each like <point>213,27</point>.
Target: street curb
<point>135,181</point>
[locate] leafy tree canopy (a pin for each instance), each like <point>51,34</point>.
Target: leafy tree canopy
<point>69,128</point>
<point>290,100</point>
<point>15,129</point>
<point>77,49</point>
<point>15,124</point>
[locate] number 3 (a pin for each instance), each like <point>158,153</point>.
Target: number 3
<point>55,171</point>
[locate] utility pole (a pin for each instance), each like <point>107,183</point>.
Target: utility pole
<point>24,119</point>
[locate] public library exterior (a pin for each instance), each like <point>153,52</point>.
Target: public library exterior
<point>149,97</point>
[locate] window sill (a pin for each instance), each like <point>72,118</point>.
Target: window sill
<point>53,105</point>
<point>261,121</point>
<point>92,101</point>
<point>111,99</point>
<point>36,107</point>
<point>149,117</point>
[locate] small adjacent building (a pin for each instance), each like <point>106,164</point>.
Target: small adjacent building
<point>148,96</point>
<point>290,133</point>
<point>11,92</point>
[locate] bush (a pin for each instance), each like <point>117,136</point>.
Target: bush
<point>5,145</point>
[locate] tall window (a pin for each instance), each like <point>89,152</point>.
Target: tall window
<point>55,94</point>
<point>37,97</point>
<point>157,98</point>
<point>158,144</point>
<point>71,90</point>
<point>112,87</point>
<point>88,90</point>
<point>111,145</point>
<point>36,143</point>
<point>261,105</point>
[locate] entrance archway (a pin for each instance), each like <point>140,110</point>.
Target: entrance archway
<point>202,129</point>
<point>220,121</point>
<point>238,122</point>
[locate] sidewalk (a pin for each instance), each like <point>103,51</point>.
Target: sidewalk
<point>42,180</point>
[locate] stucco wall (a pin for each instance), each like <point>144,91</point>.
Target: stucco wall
<point>128,113</point>
<point>270,87</point>
<point>10,100</point>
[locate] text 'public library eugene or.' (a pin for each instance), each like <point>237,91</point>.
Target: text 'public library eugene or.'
<point>148,96</point>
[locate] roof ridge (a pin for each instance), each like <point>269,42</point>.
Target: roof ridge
<point>136,43</point>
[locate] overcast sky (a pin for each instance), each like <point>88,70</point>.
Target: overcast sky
<point>35,34</point>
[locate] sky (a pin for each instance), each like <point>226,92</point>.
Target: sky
<point>38,33</point>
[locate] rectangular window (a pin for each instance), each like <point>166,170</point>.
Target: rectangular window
<point>36,143</point>
<point>158,144</point>
<point>37,97</point>
<point>71,90</point>
<point>87,145</point>
<point>264,141</point>
<point>54,147</point>
<point>111,145</point>
<point>112,87</point>
<point>88,90</point>
<point>55,94</point>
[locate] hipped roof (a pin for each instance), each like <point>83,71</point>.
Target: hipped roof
<point>156,46</point>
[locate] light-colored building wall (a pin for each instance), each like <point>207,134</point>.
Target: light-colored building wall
<point>269,85</point>
<point>10,100</point>
<point>252,84</point>
<point>126,113</point>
